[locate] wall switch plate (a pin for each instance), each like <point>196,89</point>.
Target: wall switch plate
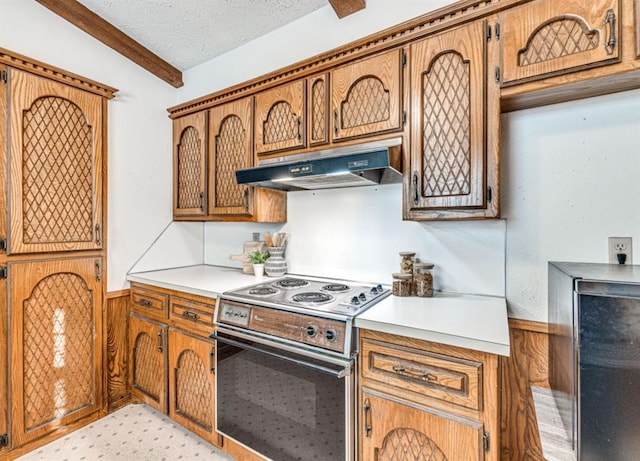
<point>620,245</point>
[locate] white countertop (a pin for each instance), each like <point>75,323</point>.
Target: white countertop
<point>473,322</point>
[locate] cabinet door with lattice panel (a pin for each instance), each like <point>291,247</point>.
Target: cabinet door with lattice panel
<point>56,166</point>
<point>547,37</point>
<point>192,384</point>
<point>366,96</point>
<point>448,149</point>
<point>190,165</point>
<point>280,118</point>
<point>393,429</point>
<point>230,139</point>
<point>56,344</point>
<point>148,361</point>
<point>318,109</point>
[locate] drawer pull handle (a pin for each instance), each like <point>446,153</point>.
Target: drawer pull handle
<point>144,302</point>
<point>414,373</point>
<point>190,315</point>
<point>367,418</point>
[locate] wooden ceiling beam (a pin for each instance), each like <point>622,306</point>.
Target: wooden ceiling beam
<point>85,19</point>
<point>346,7</point>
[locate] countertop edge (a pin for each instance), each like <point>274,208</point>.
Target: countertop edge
<point>434,336</point>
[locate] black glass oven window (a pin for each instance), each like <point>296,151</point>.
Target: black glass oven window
<point>284,411</point>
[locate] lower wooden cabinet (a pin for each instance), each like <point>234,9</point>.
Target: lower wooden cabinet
<point>422,401</point>
<point>55,309</point>
<point>394,429</point>
<point>172,361</point>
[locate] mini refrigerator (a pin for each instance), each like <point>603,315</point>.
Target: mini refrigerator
<point>594,357</point>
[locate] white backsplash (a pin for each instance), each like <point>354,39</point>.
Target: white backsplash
<point>357,233</point>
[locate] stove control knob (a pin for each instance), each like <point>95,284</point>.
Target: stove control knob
<point>355,301</point>
<point>362,297</point>
<point>374,290</point>
<point>331,335</point>
<point>379,287</point>
<point>312,330</point>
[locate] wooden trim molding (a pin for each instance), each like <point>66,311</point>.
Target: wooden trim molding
<point>346,7</point>
<point>85,19</point>
<point>457,13</point>
<point>21,62</point>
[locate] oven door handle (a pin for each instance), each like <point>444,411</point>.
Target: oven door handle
<point>341,373</point>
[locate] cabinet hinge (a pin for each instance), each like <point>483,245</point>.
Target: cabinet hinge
<point>489,193</point>
<point>3,245</point>
<point>4,440</point>
<point>3,272</point>
<point>4,76</point>
<point>488,32</point>
<point>498,31</point>
<point>404,58</point>
<point>404,118</point>
<point>485,440</point>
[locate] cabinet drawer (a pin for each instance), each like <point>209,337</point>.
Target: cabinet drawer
<point>148,302</point>
<point>191,314</point>
<point>451,379</point>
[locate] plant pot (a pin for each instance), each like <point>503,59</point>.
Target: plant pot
<point>276,265</point>
<point>258,270</point>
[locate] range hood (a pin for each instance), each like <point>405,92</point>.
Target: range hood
<point>348,166</point>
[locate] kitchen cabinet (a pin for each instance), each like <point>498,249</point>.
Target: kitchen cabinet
<point>366,96</point>
<point>56,343</point>
<point>421,400</point>
<point>172,357</point>
<point>190,165</point>
<point>545,37</point>
<point>56,158</point>
<point>280,120</point>
<point>52,215</point>
<point>192,384</point>
<point>450,172</point>
<point>318,109</point>
<point>230,138</point>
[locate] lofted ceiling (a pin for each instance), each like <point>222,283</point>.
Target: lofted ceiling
<point>170,36</point>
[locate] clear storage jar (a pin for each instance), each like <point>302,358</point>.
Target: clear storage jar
<point>423,279</point>
<point>402,284</point>
<point>406,262</point>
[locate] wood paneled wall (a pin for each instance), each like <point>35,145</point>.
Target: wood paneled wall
<point>116,349</point>
<point>527,366</point>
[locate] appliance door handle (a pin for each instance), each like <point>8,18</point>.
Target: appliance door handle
<point>338,373</point>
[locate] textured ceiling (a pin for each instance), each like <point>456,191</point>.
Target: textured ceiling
<point>186,33</point>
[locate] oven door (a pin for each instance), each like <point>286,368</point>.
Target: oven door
<point>281,402</point>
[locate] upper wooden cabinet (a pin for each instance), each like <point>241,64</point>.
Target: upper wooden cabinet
<point>230,141</point>
<point>366,96</point>
<point>318,109</point>
<point>56,166</point>
<point>548,37</point>
<point>280,120</point>
<point>190,165</point>
<point>448,159</point>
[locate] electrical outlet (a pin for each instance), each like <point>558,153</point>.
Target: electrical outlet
<point>620,245</point>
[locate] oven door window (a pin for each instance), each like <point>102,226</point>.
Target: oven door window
<point>284,406</point>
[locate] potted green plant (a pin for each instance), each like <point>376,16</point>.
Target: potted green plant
<point>258,258</point>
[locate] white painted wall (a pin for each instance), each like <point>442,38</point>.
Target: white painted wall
<point>570,179</point>
<point>139,139</point>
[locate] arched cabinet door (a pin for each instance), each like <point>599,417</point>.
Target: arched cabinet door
<point>393,429</point>
<point>190,165</point>
<point>56,343</point>
<point>366,96</point>
<point>55,171</point>
<point>548,37</point>
<point>192,384</point>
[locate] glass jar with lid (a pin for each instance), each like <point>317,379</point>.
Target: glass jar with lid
<point>402,284</point>
<point>423,279</point>
<point>406,261</point>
